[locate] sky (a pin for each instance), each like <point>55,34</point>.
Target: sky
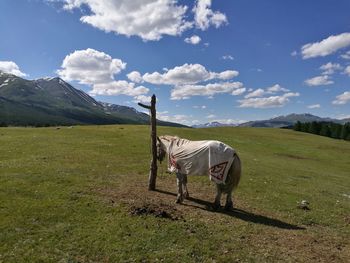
<point>206,60</point>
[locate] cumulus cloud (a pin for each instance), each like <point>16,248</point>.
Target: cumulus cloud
<point>208,90</point>
<point>149,20</point>
<point>118,87</point>
<point>269,90</point>
<point>143,99</point>
<point>319,81</point>
<point>204,16</point>
<point>346,55</point>
<point>255,93</point>
<point>326,47</point>
<point>187,74</point>
<point>11,68</point>
<point>97,69</point>
<point>276,88</point>
<point>342,98</point>
<point>330,68</point>
<point>194,40</point>
<point>135,76</point>
<point>267,102</point>
<point>314,106</point>
<point>90,66</point>
<point>347,70</point>
<point>178,118</point>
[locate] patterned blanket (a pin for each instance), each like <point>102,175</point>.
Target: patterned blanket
<point>211,158</point>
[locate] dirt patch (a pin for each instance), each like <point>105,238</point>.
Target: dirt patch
<point>162,211</point>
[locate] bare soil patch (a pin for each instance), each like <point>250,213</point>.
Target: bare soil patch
<point>268,234</point>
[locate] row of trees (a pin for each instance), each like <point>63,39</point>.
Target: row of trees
<point>329,129</point>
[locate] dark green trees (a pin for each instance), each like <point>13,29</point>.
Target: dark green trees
<point>329,129</point>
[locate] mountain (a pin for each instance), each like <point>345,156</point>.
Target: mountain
<point>52,101</point>
<point>213,124</point>
<point>289,120</point>
<point>277,122</point>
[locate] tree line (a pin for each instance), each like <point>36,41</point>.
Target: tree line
<point>328,129</point>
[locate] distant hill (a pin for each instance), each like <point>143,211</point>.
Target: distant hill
<point>289,120</point>
<point>213,124</point>
<point>277,122</point>
<point>52,101</point>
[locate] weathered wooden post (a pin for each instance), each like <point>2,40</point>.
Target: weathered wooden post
<point>153,169</point>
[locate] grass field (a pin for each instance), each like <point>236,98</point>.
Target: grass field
<point>80,195</point>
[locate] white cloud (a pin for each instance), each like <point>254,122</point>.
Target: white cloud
<point>143,99</point>
<point>267,102</point>
<point>342,98</point>
<point>199,107</point>
<point>326,46</point>
<point>276,88</point>
<point>314,106</point>
<point>118,87</point>
<point>319,81</point>
<point>294,53</point>
<point>135,76</point>
<point>178,118</point>
<point>150,19</point>
<point>97,69</point>
<point>211,116</point>
<point>239,91</point>
<point>11,68</point>
<point>187,74</point>
<point>204,16</point>
<point>346,55</point>
<point>90,67</point>
<point>194,40</point>
<point>255,93</point>
<point>330,68</point>
<point>269,90</point>
<point>227,57</point>
<point>208,90</point>
<point>347,70</point>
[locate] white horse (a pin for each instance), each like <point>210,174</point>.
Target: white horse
<point>214,158</point>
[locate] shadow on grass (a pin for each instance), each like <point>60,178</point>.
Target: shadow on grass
<point>238,213</point>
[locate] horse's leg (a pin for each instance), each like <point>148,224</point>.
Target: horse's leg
<point>217,198</point>
<point>186,194</point>
<point>179,180</point>
<point>229,203</point>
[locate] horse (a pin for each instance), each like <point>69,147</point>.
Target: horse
<point>214,158</point>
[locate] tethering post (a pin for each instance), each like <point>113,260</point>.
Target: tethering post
<point>153,169</point>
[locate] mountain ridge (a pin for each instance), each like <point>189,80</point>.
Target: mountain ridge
<point>52,101</point>
<point>277,122</point>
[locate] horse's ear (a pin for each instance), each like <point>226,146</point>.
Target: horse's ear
<point>159,140</point>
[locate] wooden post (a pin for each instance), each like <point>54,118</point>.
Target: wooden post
<point>153,169</point>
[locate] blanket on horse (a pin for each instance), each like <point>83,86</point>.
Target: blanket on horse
<point>200,157</point>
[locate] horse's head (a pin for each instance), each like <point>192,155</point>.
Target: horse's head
<point>161,151</point>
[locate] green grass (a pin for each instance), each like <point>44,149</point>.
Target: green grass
<point>66,196</point>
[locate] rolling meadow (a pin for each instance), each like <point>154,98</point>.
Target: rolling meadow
<point>79,194</point>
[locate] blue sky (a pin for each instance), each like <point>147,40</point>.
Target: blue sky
<point>230,61</point>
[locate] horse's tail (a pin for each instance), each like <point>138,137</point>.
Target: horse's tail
<point>236,171</point>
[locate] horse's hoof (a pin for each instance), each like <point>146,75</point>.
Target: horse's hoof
<point>178,201</point>
<point>229,207</point>
<point>216,207</point>
<point>187,195</point>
